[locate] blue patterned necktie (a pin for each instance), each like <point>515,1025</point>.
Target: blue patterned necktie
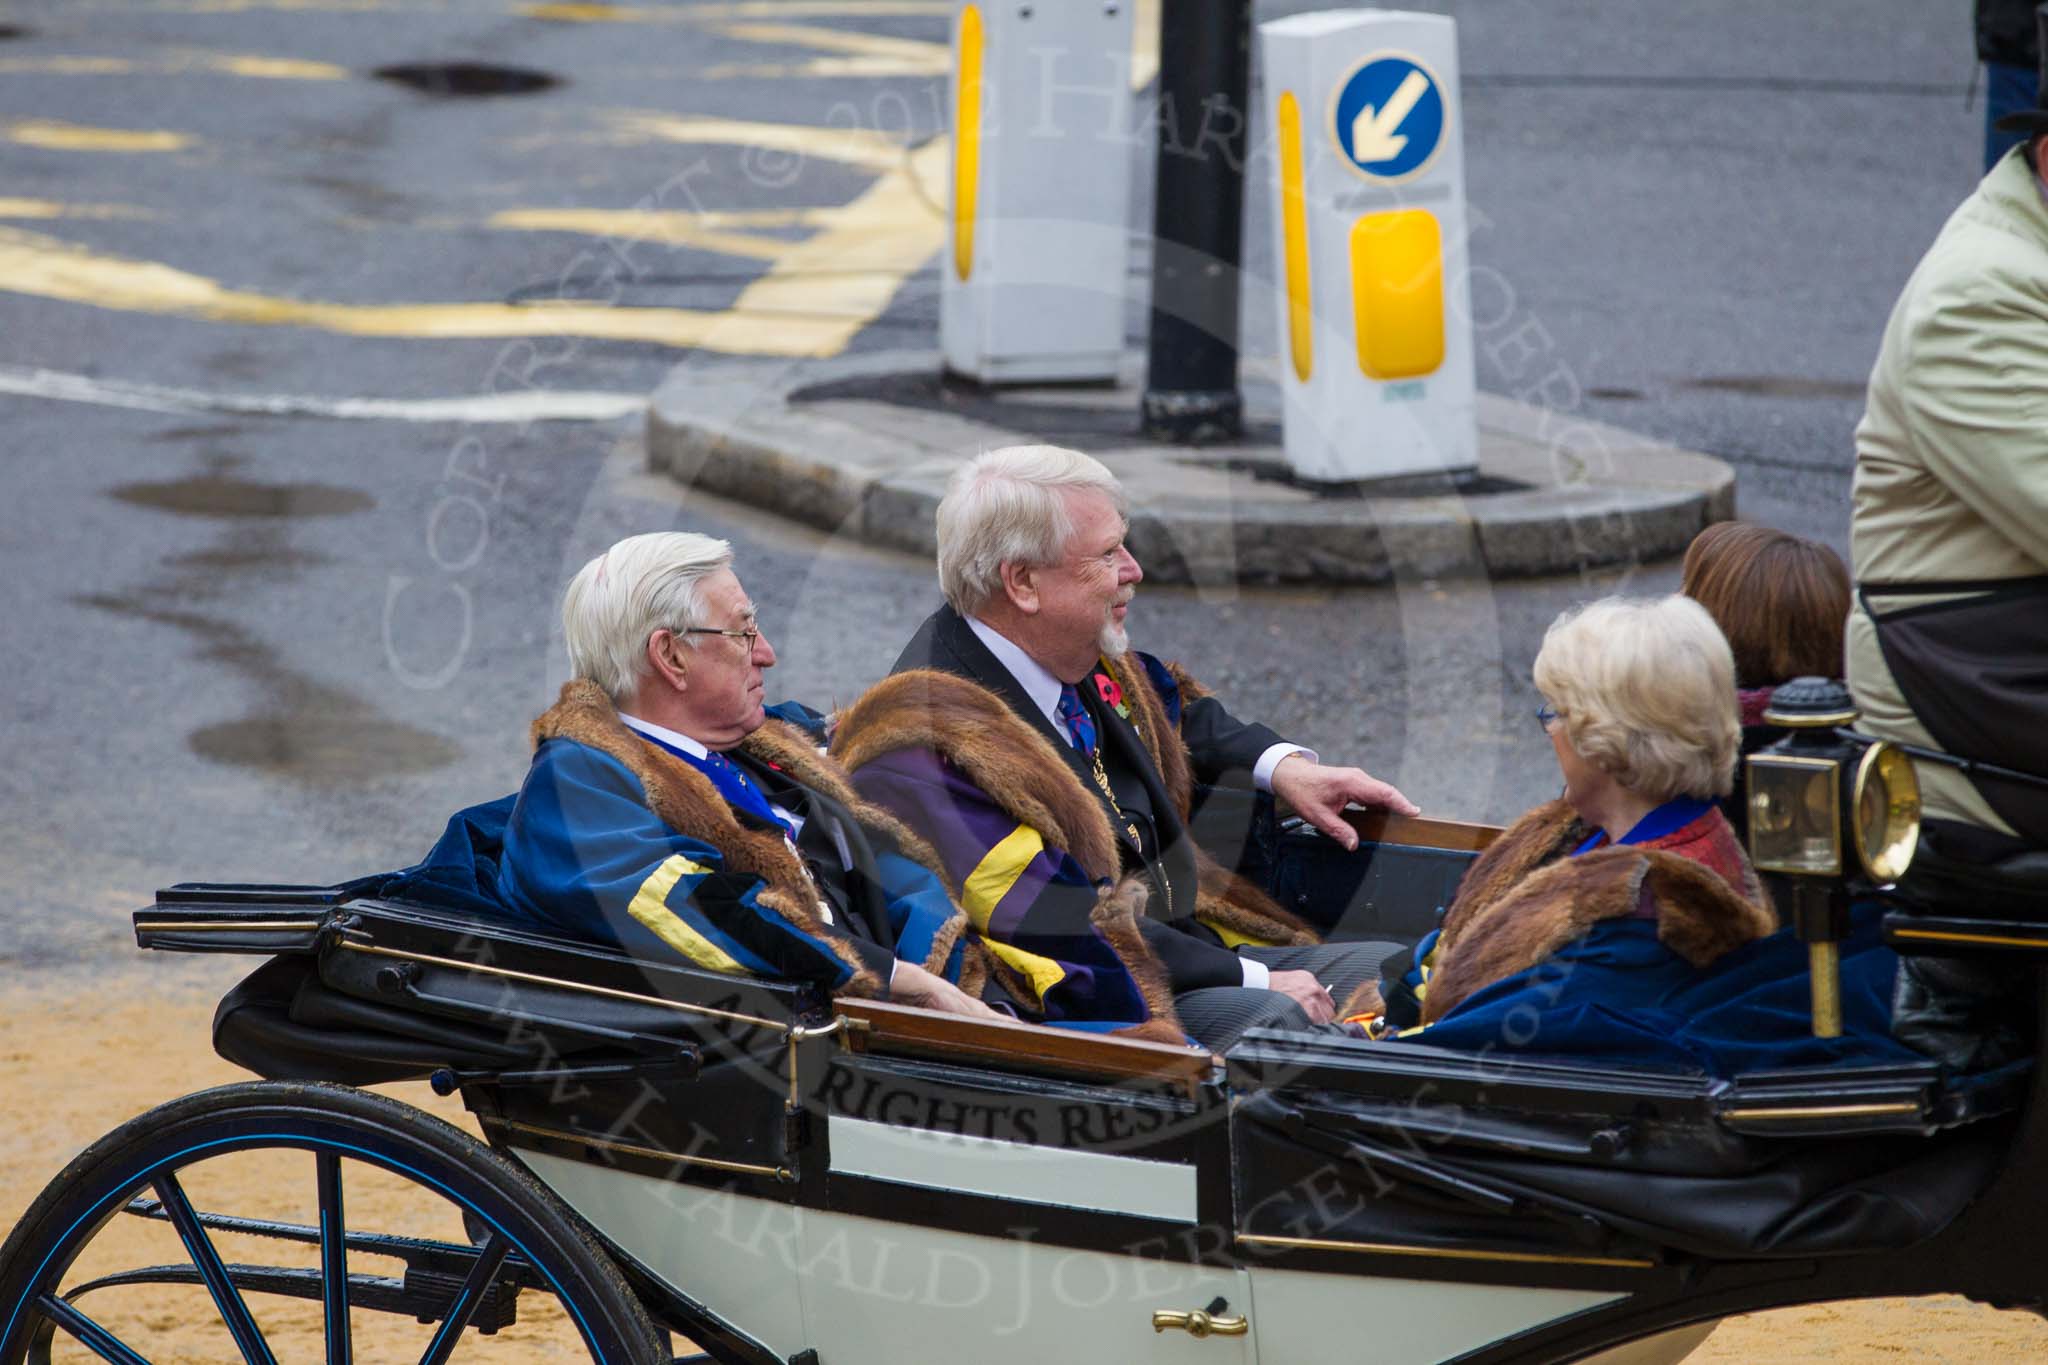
<point>1078,722</point>
<point>738,789</point>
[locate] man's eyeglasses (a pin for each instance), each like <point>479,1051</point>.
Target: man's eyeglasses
<point>1545,714</point>
<point>746,635</point>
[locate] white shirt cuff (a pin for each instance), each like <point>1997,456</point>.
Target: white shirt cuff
<point>1262,771</point>
<point>1257,975</point>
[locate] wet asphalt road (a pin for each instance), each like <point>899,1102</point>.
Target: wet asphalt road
<point>283,648</point>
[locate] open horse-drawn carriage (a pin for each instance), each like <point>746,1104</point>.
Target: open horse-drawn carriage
<point>776,1177</point>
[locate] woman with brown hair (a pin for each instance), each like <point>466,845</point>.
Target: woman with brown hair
<point>1780,600</point>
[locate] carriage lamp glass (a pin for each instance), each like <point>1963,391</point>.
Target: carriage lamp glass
<point>1885,796</point>
<point>1794,815</point>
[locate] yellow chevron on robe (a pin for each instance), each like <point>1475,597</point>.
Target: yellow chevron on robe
<point>650,907</point>
<point>997,872</point>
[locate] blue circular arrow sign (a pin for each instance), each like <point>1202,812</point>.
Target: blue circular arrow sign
<point>1388,117</point>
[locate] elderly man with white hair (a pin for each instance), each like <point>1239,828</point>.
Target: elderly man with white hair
<point>1043,758</point>
<point>667,812</point>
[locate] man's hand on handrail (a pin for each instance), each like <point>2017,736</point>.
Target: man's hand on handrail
<point>1319,795</point>
<point>910,984</point>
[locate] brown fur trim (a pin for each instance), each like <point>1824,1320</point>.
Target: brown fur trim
<point>1508,924</point>
<point>977,733</point>
<point>790,749</point>
<point>1225,900</point>
<point>1190,689</point>
<point>1222,898</point>
<point>1538,837</point>
<point>1153,1031</point>
<point>684,800</point>
<point>1364,1000</point>
<point>1162,741</point>
<point>1699,916</point>
<point>974,967</point>
<point>1116,915</point>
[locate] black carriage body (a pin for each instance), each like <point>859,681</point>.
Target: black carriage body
<point>1289,1179</point>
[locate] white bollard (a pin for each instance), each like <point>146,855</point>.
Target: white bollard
<point>1369,245</point>
<point>1038,206</point>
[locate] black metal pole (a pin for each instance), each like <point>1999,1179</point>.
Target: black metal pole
<point>1191,390</point>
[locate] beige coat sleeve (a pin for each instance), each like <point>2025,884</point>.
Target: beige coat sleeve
<point>1973,394</point>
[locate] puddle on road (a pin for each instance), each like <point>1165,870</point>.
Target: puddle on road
<point>350,744</point>
<point>1777,386</point>
<point>217,432</point>
<point>299,728</point>
<point>466,80</point>
<point>247,555</point>
<point>219,495</point>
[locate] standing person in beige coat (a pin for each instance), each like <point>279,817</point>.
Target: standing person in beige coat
<point>1947,644</point>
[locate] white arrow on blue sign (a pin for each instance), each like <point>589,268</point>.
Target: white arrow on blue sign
<point>1388,117</point>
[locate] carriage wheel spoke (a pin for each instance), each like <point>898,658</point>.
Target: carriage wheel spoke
<point>235,1313</point>
<point>334,1260</point>
<point>489,1258</point>
<point>90,1334</point>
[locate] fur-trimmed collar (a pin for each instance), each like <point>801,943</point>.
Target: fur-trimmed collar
<point>1016,767</point>
<point>687,803</point>
<point>1525,898</point>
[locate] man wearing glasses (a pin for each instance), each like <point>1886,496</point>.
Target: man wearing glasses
<point>1042,756</point>
<point>668,812</point>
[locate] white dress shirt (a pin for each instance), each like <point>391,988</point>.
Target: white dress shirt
<point>1044,690</point>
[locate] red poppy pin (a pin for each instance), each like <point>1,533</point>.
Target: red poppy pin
<point>1112,695</point>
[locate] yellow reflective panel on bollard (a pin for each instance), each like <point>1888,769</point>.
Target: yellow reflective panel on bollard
<point>1294,231</point>
<point>966,138</point>
<point>1397,293</point>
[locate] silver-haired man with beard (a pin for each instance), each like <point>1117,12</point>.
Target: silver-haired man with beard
<point>1043,757</point>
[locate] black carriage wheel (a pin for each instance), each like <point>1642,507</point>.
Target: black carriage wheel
<point>525,1230</point>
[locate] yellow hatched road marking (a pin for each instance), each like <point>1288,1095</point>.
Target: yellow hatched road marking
<point>47,267</point>
<point>75,137</point>
<point>182,63</point>
<point>703,231</point>
<point>851,269</point>
<point>859,54</point>
<point>814,299</point>
<point>50,208</point>
<point>590,12</point>
<point>861,147</point>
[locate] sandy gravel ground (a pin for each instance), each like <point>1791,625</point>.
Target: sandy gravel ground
<point>74,1064</point>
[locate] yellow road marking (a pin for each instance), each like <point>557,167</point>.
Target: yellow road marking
<point>852,268</point>
<point>50,208</point>
<point>854,146</point>
<point>222,63</point>
<point>74,137</point>
<point>1144,43</point>
<point>244,6</point>
<point>591,12</point>
<point>857,54</point>
<point>704,231</point>
<point>47,267</point>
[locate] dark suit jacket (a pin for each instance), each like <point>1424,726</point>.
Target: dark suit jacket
<point>1221,747</point>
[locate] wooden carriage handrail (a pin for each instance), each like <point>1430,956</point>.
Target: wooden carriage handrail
<point>1417,831</point>
<point>883,1027</point>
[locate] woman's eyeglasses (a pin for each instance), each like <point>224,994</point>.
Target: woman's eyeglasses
<point>1545,714</point>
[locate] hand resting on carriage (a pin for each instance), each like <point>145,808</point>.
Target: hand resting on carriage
<point>910,984</point>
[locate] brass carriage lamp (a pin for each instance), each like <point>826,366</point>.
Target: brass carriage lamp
<point>1814,792</point>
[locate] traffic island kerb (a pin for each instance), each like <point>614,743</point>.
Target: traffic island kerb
<point>863,445</point>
